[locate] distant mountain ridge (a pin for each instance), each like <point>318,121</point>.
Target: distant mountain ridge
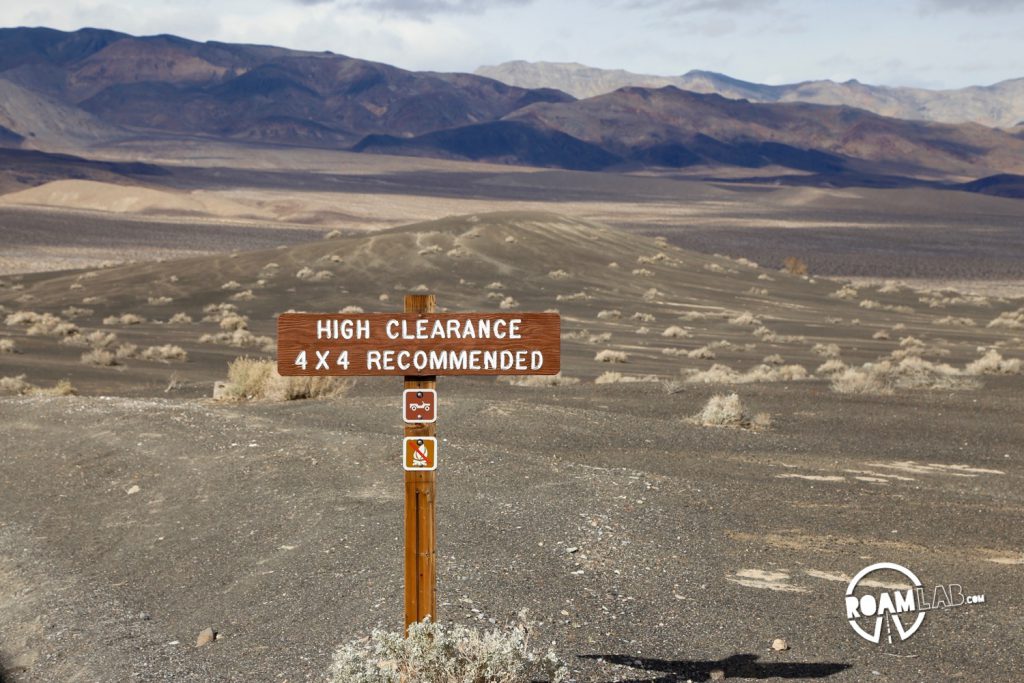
<point>999,105</point>
<point>71,92</point>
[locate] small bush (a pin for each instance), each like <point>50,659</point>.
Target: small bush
<point>611,377</point>
<point>231,285</point>
<point>611,356</point>
<point>8,346</point>
<point>795,266</point>
<point>728,411</point>
<point>723,374</point>
<point>164,354</point>
<point>100,357</point>
<point>609,315</point>
<point>180,319</point>
<point>993,363</point>
<point>18,385</point>
<point>125,319</point>
<point>558,274</point>
<point>244,295</point>
<point>675,332</point>
<point>643,317</point>
<point>507,303</point>
<point>909,373</point>
<point>703,353</point>
<point>846,292</point>
<point>1013,320</point>
<point>745,318</point>
<point>159,300</point>
<point>826,350</point>
<point>558,380</point>
<point>255,380</point>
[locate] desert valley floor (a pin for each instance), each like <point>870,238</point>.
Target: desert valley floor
<point>883,390</point>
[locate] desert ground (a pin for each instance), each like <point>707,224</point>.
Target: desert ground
<point>653,540</point>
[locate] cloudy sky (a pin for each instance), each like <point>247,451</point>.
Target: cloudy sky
<point>928,43</point>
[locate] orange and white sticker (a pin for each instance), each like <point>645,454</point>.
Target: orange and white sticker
<point>420,453</point>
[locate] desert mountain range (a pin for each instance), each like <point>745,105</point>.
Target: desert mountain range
<point>997,105</point>
<point>83,90</point>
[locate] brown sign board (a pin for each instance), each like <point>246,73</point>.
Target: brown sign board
<point>424,344</point>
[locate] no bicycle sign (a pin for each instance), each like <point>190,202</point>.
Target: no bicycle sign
<point>419,344</point>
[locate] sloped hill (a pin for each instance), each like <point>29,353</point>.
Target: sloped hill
<point>663,311</point>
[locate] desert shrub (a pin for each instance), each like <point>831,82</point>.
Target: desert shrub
<point>42,324</point>
<point>691,316</point>
<point>75,312</point>
<point>773,359</point>
<point>98,339</point>
<point>723,374</point>
<point>642,272</point>
<point>746,262</point>
<point>8,346</point>
<point>728,411</point>
<point>14,385</point>
<point>714,267</point>
<point>244,295</point>
<point>332,234</point>
<point>887,376</point>
<point>310,275</point>
<point>957,322</point>
<point>676,332</point>
<point>269,270</point>
<point>620,378</point>
<point>703,353</point>
<point>352,309</point>
<point>611,356</point>
<point>164,354</point>
<point>558,380</point>
<point>757,291</point>
<point>652,294</point>
<point>599,338</point>
<point>890,287</point>
<point>795,266</point>
<point>231,285</point>
<point>125,319</point>
<point>180,319</point>
<point>881,334</point>
<point>643,330</point>
<point>1013,320</point>
<point>507,303</point>
<point>578,296</point>
<point>100,357</point>
<point>18,385</point>
<point>255,380</point>
<point>609,315</point>
<point>827,350</point>
<point>432,249</point>
<point>558,274</point>
<point>833,366</point>
<point>993,363</point>
<point>643,317</point>
<point>240,338</point>
<point>846,292</point>
<point>660,256</point>
<point>159,300</point>
<point>744,318</point>
<point>495,286</point>
<point>217,312</point>
<point>233,321</point>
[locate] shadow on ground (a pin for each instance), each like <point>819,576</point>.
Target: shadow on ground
<point>734,666</point>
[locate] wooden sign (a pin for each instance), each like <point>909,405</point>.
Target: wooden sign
<point>420,405</point>
<point>424,344</point>
<point>419,344</point>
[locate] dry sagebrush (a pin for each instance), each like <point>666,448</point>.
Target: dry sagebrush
<point>258,380</point>
<point>439,653</point>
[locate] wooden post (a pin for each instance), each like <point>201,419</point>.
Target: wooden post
<point>420,542</point>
